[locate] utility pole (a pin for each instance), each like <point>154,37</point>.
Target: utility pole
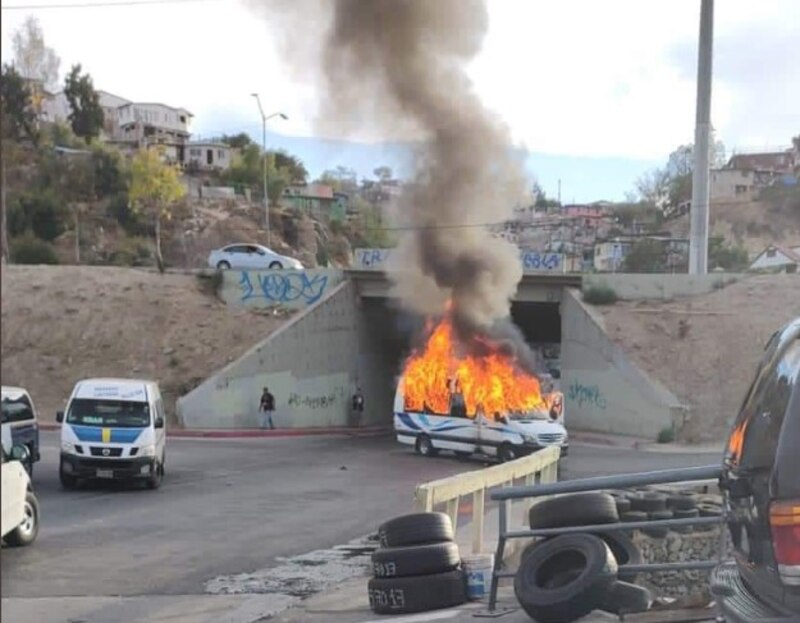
<point>698,235</point>
<point>264,119</point>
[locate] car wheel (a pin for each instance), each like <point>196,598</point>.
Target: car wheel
<point>154,482</point>
<point>276,265</point>
<point>506,453</point>
<point>25,533</point>
<point>425,446</point>
<point>223,265</point>
<point>416,529</point>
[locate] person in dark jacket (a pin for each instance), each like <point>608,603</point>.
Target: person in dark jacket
<point>267,407</point>
<point>358,407</point>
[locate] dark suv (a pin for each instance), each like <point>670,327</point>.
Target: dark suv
<point>761,484</point>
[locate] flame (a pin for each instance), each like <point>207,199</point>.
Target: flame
<point>493,381</point>
<point>736,441</point>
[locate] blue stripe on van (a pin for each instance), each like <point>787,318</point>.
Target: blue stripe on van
<point>95,434</point>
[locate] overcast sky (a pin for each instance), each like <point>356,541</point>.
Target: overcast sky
<point>612,79</point>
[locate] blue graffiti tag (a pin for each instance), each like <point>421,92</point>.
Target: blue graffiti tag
<point>533,260</point>
<point>586,394</point>
<point>373,257</point>
<point>284,287</point>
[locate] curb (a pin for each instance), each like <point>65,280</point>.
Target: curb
<point>248,433</point>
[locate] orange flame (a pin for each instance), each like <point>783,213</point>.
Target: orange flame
<point>736,441</point>
<point>493,381</point>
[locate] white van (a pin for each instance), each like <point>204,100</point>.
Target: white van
<point>505,436</point>
<point>113,429</point>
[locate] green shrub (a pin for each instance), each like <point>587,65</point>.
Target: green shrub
<point>600,295</point>
<point>666,435</point>
<point>31,250</point>
<point>39,212</point>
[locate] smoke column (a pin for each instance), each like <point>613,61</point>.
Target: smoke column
<point>402,63</point>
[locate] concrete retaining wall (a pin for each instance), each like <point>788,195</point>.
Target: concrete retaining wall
<point>296,289</point>
<point>659,286</point>
<point>603,390</point>
<point>312,365</point>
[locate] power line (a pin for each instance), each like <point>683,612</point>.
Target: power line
<point>91,5</point>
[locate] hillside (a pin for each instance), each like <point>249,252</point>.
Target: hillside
<point>705,349</point>
<point>64,323</point>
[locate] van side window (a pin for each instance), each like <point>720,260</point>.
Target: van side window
<point>761,419</point>
<point>18,410</point>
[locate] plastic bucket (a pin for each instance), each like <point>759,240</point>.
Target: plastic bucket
<point>478,571</point>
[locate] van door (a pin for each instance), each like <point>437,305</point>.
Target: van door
<point>13,499</point>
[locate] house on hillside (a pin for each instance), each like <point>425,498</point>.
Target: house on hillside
<point>779,258</point>
<point>316,200</point>
<point>207,156</point>
<point>141,125</point>
<point>775,162</point>
<point>609,255</point>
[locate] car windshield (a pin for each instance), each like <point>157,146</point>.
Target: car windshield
<point>16,410</point>
<point>119,413</point>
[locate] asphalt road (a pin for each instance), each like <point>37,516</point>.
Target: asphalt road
<point>231,506</point>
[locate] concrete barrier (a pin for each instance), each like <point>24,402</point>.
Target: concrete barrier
<point>295,289</point>
<point>604,391</point>
<point>536,468</point>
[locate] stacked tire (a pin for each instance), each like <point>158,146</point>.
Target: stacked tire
<point>418,566</point>
<point>566,577</point>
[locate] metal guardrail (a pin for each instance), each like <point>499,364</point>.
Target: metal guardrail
<point>684,475</point>
<point>539,467</point>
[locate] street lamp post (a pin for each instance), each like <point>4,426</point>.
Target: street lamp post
<point>264,119</point>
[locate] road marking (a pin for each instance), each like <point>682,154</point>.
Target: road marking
<point>421,618</point>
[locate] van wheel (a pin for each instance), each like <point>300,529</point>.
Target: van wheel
<point>25,533</point>
<point>506,453</point>
<point>425,446</point>
<point>154,482</point>
<point>67,481</point>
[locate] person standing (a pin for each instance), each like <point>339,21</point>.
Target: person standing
<point>267,407</point>
<point>358,407</point>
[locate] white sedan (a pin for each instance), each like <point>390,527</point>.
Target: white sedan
<point>250,256</point>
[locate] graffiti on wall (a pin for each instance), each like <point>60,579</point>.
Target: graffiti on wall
<point>588,395</point>
<point>534,260</point>
<point>372,258</point>
<point>322,401</point>
<point>283,287</point>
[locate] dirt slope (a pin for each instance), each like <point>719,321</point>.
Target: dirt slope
<point>711,362</point>
<point>64,323</point>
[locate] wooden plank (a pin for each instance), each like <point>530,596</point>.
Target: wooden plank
<point>478,500</point>
<point>452,511</point>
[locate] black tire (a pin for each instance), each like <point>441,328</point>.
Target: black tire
<point>649,502</point>
<point>276,265</point>
<point>25,533</point>
<point>417,594</point>
<point>627,598</point>
<point>687,514</point>
<point>565,578</point>
<point>623,505</point>
<point>506,453</point>
<point>632,516</point>
<point>709,510</point>
<point>625,551</point>
<point>573,509</point>
<point>658,532</point>
<point>401,562</point>
<point>154,481</point>
<point>682,502</point>
<point>416,529</point>
<point>424,446</point>
<point>68,482</point>
<point>223,265</point>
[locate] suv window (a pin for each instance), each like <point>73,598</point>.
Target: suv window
<point>19,410</point>
<point>754,439</point>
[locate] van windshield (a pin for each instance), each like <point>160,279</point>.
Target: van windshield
<point>119,413</point>
<point>528,415</point>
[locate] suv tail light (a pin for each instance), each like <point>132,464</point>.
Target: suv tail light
<point>784,519</point>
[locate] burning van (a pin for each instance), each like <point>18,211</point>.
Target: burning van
<point>475,403</point>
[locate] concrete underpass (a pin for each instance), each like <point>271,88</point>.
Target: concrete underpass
<point>356,335</point>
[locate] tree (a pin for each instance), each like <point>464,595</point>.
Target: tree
<point>292,165</point>
<point>646,256</point>
<point>32,58</point>
<point>383,173</point>
<point>237,141</point>
<point>726,257</point>
<point>653,186</point>
<point>86,116</point>
<point>155,188</point>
